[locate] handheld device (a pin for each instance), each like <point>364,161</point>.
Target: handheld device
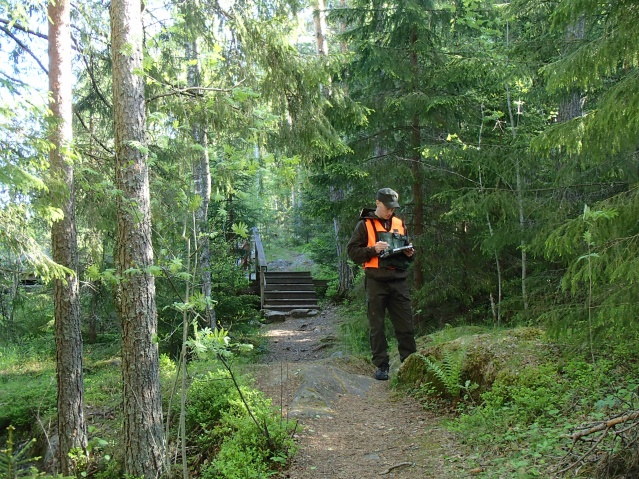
<point>391,251</point>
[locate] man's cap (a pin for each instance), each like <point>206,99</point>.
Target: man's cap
<point>388,197</point>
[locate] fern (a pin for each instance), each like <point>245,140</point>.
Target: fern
<point>448,371</point>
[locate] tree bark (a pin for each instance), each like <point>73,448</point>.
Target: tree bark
<point>345,273</point>
<point>571,105</point>
<point>417,188</point>
<point>143,442</point>
<point>319,17</point>
<point>68,327</point>
<point>520,194</point>
<point>202,188</point>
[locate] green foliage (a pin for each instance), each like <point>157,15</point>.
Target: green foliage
<point>448,371</point>
<point>218,413</point>
<point>103,383</point>
<point>534,395</point>
<point>94,456</point>
<point>27,388</point>
<point>598,249</point>
<point>521,426</point>
<point>22,167</point>
<point>246,453</point>
<point>13,464</point>
<point>605,65</point>
<point>208,398</point>
<point>16,464</point>
<point>231,309</point>
<point>355,334</point>
<point>321,250</point>
<point>354,330</point>
<point>32,317</point>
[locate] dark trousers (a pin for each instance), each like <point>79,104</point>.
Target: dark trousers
<point>392,296</point>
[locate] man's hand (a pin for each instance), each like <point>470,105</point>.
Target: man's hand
<point>380,246</point>
<point>408,250</point>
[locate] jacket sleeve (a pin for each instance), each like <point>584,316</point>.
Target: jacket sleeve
<point>357,248</point>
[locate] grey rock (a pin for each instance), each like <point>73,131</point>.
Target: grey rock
<point>271,316</point>
<point>320,388</point>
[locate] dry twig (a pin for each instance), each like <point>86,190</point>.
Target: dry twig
<point>396,466</point>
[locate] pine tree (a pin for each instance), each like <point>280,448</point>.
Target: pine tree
<point>144,445</point>
<point>68,326</point>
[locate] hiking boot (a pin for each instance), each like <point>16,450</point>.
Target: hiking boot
<point>382,373</point>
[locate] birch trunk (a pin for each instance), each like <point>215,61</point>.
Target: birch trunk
<point>202,187</point>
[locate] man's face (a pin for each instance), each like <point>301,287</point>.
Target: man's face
<point>382,211</point>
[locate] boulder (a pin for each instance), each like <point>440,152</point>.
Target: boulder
<point>478,358</point>
<point>271,316</point>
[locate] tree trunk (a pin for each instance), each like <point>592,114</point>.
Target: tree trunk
<point>496,308</point>
<point>345,273</point>
<point>202,188</point>
<point>95,287</point>
<point>143,443</point>
<point>571,106</point>
<point>520,205</point>
<point>417,188</point>
<point>520,194</point>
<point>319,17</point>
<point>68,327</point>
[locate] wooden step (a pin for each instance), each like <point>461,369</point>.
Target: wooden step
<point>270,295</point>
<point>289,287</point>
<point>289,290</point>
<point>283,278</point>
<point>284,301</point>
<point>291,307</point>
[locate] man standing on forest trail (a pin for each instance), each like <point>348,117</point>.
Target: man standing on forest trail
<point>380,243</point>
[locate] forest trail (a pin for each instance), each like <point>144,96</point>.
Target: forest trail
<point>350,425</point>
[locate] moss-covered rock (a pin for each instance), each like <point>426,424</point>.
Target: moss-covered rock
<point>480,358</point>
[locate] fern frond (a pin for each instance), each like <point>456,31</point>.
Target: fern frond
<point>448,371</point>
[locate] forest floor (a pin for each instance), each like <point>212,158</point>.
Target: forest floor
<point>350,426</point>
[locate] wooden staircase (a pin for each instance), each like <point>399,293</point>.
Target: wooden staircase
<point>288,290</point>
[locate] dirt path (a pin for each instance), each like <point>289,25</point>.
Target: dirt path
<point>352,427</point>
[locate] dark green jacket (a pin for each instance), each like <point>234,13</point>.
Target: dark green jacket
<point>359,251</point>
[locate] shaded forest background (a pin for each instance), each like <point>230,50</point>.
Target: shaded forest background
<point>510,131</point>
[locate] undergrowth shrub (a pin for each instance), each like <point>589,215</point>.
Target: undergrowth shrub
<point>534,394</point>
<point>237,308</point>
<point>208,397</point>
<point>17,462</point>
<point>26,395</point>
<point>524,421</point>
<point>447,373</point>
<point>237,430</point>
<point>246,451</point>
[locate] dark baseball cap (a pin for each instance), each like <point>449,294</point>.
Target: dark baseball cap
<point>388,197</point>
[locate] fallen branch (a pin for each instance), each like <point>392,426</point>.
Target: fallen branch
<point>584,455</point>
<point>603,428</point>
<point>396,466</point>
<point>605,425</point>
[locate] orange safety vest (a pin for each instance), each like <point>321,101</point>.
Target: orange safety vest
<point>374,226</point>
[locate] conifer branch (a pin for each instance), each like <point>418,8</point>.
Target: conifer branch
<point>24,47</point>
<point>90,73</point>
<point>24,29</point>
